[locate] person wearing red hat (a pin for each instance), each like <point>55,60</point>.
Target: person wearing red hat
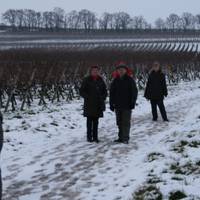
<point>129,72</point>
<point>94,92</point>
<point>123,95</point>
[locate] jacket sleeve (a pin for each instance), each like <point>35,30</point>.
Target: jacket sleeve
<point>165,91</point>
<point>146,93</point>
<point>1,118</point>
<point>105,93</point>
<point>1,132</point>
<point>83,89</point>
<point>134,93</point>
<point>112,94</point>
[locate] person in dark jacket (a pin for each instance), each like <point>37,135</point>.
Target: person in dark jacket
<point>94,92</point>
<point>156,90</point>
<point>123,95</point>
<point>1,145</point>
<point>1,131</point>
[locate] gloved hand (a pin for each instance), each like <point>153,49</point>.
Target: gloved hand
<point>146,98</point>
<point>112,108</point>
<point>132,106</point>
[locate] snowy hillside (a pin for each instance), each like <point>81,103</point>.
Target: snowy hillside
<point>46,156</point>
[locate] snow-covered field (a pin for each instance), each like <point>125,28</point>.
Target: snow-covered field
<point>46,156</point>
<point>10,41</point>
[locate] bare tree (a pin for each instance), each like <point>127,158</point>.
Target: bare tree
<point>115,21</point>
<point>87,19</point>
<point>139,22</point>
<point>125,20</point>
<point>20,18</point>
<point>105,22</point>
<point>173,21</point>
<point>72,20</point>
<point>160,24</point>
<point>39,20</point>
<point>48,20</point>
<point>59,15</point>
<point>188,21</point>
<point>10,17</point>
<point>197,20</point>
<point>121,20</point>
<point>30,18</point>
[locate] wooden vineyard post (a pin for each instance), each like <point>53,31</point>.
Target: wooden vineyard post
<point>12,91</point>
<point>26,95</point>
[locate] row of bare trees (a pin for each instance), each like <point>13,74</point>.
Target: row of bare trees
<point>58,19</point>
<point>174,21</point>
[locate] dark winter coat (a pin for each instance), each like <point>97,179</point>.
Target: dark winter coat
<point>94,93</point>
<point>123,93</point>
<point>156,87</point>
<point>1,132</point>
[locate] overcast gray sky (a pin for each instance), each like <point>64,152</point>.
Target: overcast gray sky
<point>150,9</point>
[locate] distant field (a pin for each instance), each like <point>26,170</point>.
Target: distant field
<point>88,41</point>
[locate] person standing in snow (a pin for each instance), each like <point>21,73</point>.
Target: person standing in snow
<point>1,131</point>
<point>123,95</point>
<point>1,145</point>
<point>94,92</point>
<point>156,90</point>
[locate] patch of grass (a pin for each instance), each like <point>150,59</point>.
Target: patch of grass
<point>150,192</point>
<point>177,195</point>
<point>186,169</point>
<point>180,147</point>
<point>194,144</point>
<point>198,163</point>
<point>154,156</point>
<point>153,179</point>
<point>176,168</point>
<point>183,143</point>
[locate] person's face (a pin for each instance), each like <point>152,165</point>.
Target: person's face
<point>121,71</point>
<point>156,66</point>
<point>95,72</point>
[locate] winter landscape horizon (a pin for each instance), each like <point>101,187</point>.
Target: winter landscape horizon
<point>99,100</point>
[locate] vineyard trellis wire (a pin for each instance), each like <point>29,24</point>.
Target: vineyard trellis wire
<point>48,72</point>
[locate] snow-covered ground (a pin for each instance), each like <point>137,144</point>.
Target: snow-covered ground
<point>46,156</point>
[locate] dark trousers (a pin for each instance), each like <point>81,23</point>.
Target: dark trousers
<point>160,104</point>
<point>1,137</point>
<point>0,186</point>
<point>124,123</point>
<point>92,128</point>
<point>1,145</point>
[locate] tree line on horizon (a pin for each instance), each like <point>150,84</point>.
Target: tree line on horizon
<point>58,19</point>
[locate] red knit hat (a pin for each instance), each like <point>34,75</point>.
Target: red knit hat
<point>121,64</point>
